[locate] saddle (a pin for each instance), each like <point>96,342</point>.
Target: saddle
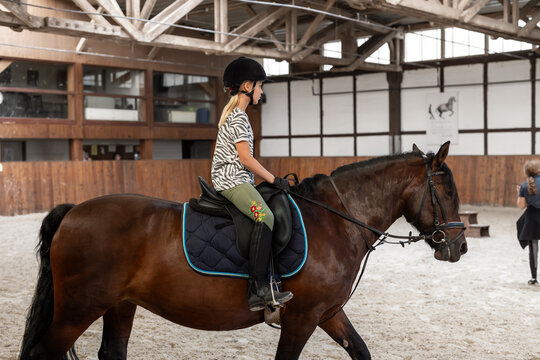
<point>212,203</point>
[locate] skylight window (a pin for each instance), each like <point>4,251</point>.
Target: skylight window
<point>273,67</point>
<point>331,49</point>
<point>461,42</point>
<point>423,45</point>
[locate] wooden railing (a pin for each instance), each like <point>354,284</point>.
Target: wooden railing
<point>27,187</point>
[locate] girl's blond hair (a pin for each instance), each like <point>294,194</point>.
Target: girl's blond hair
<point>228,109</point>
<point>532,168</point>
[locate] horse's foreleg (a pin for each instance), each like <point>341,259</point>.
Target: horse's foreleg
<point>117,324</point>
<point>341,330</point>
<point>295,332</point>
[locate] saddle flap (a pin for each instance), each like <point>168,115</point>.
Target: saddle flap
<point>279,204</point>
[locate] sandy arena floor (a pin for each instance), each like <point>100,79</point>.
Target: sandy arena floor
<point>408,306</point>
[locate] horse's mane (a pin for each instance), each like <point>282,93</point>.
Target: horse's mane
<point>308,185</point>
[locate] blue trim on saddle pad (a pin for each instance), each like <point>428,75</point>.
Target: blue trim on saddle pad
<point>213,252</point>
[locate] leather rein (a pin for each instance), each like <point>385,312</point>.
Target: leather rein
<point>439,228</point>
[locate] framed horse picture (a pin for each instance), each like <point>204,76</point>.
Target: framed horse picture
<point>442,117</point>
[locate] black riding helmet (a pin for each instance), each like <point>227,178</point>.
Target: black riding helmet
<point>240,70</point>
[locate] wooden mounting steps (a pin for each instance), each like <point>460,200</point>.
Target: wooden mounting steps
<point>470,219</point>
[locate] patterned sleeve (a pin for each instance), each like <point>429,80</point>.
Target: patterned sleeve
<point>239,128</point>
<point>523,189</point>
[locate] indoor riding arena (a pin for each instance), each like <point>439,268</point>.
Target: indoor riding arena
<point>406,125</point>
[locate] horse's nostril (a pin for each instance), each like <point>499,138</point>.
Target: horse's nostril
<point>463,249</point>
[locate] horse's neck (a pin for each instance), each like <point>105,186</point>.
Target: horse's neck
<point>375,195</point>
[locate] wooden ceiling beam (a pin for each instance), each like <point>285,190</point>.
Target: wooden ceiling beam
<point>221,21</point>
<point>255,25</point>
<point>323,36</point>
<point>526,9</point>
<point>84,5</point>
<point>146,12</point>
<point>442,15</point>
<point>531,25</point>
<point>20,13</point>
<point>463,4</point>
<point>471,12</point>
<point>291,30</point>
<point>368,48</point>
<point>82,42</point>
<point>170,15</point>
<point>267,31</point>
<point>315,24</point>
<point>112,7</point>
<point>133,10</point>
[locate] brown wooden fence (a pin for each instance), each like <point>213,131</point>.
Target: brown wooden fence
<point>27,187</point>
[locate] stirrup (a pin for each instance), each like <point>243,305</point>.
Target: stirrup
<point>274,302</point>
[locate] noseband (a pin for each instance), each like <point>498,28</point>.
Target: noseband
<point>439,229</point>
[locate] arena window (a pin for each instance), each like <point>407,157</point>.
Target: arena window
<point>181,98</point>
<point>30,90</point>
<point>113,94</point>
<point>461,42</point>
<point>331,49</point>
<point>423,45</point>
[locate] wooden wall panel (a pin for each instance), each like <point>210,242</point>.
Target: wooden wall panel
<point>34,129</point>
<point>27,187</point>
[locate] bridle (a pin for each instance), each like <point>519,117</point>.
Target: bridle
<point>439,228</point>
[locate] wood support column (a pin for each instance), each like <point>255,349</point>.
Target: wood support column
<point>394,97</point>
<point>146,149</point>
<point>394,101</point>
<point>76,150</point>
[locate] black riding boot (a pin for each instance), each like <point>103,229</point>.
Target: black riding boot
<point>259,292</point>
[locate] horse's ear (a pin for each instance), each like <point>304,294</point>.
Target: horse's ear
<point>416,149</point>
<point>438,160</point>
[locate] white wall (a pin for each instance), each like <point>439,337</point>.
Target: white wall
<point>508,99</point>
<point>372,104</point>
<point>275,111</point>
<point>305,108</point>
<point>338,117</point>
<point>275,147</point>
<point>416,86</point>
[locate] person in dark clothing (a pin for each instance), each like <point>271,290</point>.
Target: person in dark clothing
<point>528,225</point>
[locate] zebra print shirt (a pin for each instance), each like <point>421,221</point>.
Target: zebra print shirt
<point>227,170</point>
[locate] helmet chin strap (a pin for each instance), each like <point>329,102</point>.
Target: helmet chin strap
<point>249,94</point>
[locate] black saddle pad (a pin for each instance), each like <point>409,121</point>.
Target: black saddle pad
<point>212,251</point>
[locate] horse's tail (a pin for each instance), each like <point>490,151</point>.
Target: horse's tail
<point>41,310</point>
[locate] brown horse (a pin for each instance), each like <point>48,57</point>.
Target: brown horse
<point>108,255</point>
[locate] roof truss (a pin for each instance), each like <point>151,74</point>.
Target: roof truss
<point>279,30</point>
